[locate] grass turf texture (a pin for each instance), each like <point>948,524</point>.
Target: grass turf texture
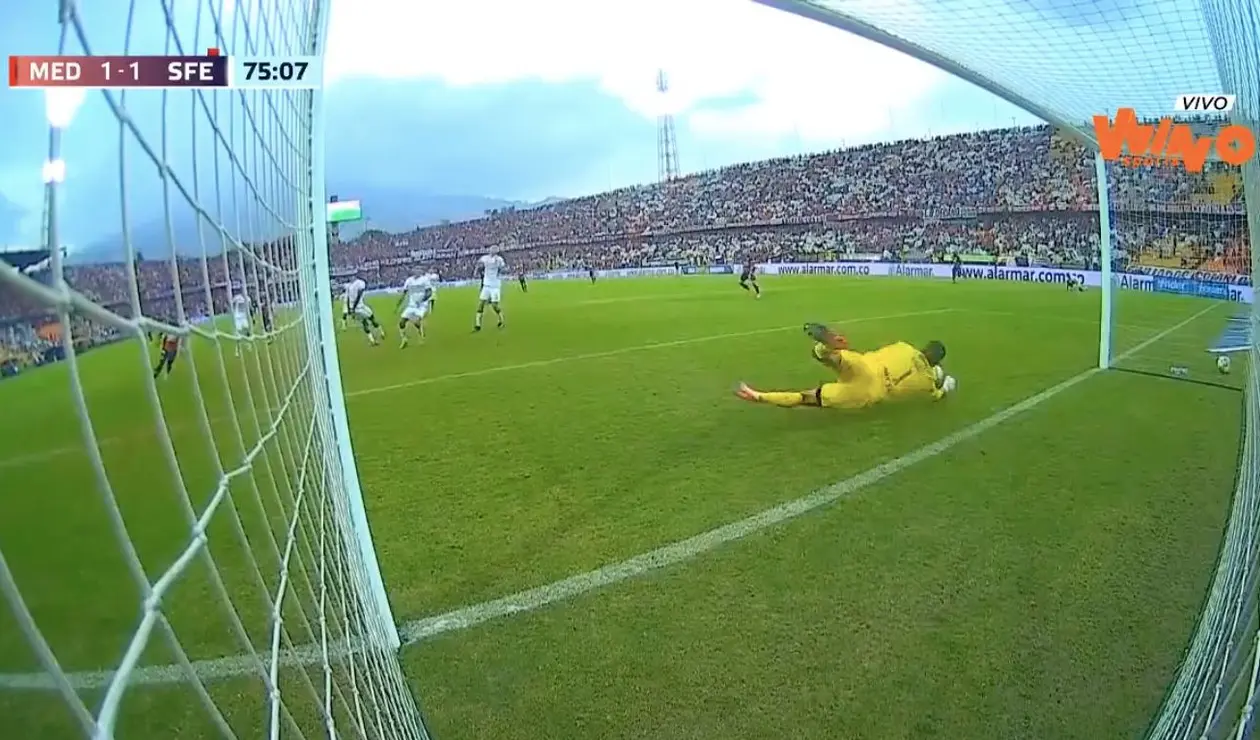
<point>1037,581</point>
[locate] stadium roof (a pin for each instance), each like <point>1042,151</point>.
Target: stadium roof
<point>1068,60</point>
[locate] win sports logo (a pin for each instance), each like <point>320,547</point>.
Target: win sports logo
<point>1169,143</point>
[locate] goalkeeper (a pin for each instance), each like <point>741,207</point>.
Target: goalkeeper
<point>895,372</point>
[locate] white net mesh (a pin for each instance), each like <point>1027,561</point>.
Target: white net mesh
<point>1067,62</point>
<point>1215,692</point>
<point>183,548</point>
<point>1179,244</point>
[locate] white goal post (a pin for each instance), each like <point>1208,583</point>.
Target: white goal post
<point>326,344</point>
<point>1105,264</point>
<point>214,499</point>
<point>1065,64</point>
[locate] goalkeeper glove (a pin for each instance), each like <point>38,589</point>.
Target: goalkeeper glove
<point>823,335</point>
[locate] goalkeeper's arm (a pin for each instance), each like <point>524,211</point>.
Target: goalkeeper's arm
<point>821,334</point>
<point>827,356</point>
<point>827,345</point>
<point>943,384</point>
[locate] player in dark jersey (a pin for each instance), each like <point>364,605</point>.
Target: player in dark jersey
<point>264,310</point>
<point>749,277</point>
<point>524,285</point>
<point>957,271</point>
<point>170,350</point>
<point>590,272</point>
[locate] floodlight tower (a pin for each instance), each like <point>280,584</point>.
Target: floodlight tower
<point>666,140</point>
<point>45,234</point>
<point>60,107</point>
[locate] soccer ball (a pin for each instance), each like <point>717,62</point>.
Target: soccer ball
<point>1222,364</point>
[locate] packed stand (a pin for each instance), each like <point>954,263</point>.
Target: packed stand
<point>31,334</point>
<point>1019,196</point>
<point>919,193</point>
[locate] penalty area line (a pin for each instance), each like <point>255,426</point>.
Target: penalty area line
<point>628,350</point>
<point>43,456</point>
<point>683,550</point>
<point>536,598</point>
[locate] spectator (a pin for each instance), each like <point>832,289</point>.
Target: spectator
<point>1019,195</point>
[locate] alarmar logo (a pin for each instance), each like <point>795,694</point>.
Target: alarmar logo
<point>1168,143</point>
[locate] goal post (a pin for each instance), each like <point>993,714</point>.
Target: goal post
<point>203,563</point>
<point>1216,689</point>
<point>1106,262</point>
<point>1175,270</point>
<point>1066,64</point>
<point>326,345</point>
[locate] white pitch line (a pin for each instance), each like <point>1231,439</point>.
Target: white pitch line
<point>536,598</point>
<point>35,458</point>
<point>626,351</point>
<point>677,552</point>
<point>45,455</point>
<point>649,297</point>
<point>693,296</point>
<point>1056,319</point>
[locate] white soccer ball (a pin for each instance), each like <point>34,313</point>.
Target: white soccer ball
<point>949,385</point>
<point>1223,363</point>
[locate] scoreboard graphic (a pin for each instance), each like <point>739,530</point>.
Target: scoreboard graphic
<point>211,71</point>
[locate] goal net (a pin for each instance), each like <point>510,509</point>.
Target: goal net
<point>1067,62</point>
<point>184,549</point>
<point>1179,293</point>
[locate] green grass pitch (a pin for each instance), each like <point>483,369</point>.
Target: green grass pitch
<point>1039,579</point>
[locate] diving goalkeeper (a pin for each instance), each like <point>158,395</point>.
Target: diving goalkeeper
<point>894,372</point>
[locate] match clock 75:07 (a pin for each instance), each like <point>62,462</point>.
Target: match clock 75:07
<point>276,73</point>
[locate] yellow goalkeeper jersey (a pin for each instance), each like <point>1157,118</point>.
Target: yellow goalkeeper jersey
<point>895,371</point>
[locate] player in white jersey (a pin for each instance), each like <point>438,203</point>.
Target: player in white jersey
<point>356,306</point>
<point>345,305</point>
<point>240,318</point>
<point>491,267</point>
<point>417,293</point>
<point>435,282</point>
<point>240,314</point>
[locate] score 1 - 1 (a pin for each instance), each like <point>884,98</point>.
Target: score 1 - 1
<point>277,73</point>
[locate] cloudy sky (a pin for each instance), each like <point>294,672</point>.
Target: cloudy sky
<point>526,100</point>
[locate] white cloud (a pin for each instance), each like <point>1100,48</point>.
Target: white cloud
<point>806,79</point>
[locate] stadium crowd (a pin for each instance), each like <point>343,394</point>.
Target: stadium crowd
<point>1019,196</point>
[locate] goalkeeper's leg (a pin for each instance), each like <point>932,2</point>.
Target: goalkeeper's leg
<point>782,399</point>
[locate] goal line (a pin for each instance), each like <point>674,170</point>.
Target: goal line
<point>662,557</point>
